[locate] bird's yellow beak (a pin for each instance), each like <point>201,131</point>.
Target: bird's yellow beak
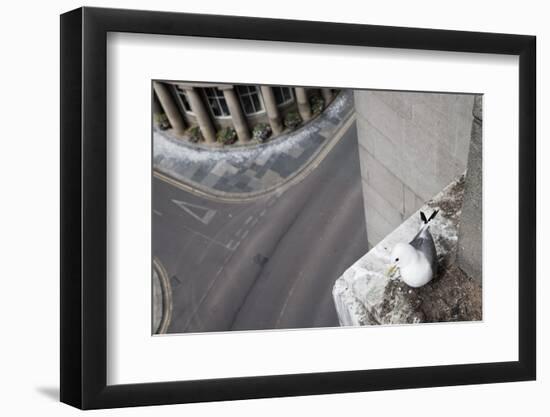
<point>391,270</point>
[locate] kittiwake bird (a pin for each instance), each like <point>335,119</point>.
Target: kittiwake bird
<point>417,260</point>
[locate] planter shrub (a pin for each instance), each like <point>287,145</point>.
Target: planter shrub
<point>317,104</point>
<point>226,136</point>
<point>292,120</point>
<point>161,121</point>
<point>261,132</point>
<point>195,134</point>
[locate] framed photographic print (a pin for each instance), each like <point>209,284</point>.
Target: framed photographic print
<point>257,207</point>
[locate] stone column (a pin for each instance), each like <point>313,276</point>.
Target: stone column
<point>237,115</point>
<point>169,106</point>
<point>157,109</point>
<point>327,95</point>
<point>303,104</point>
<point>201,113</point>
<point>272,109</point>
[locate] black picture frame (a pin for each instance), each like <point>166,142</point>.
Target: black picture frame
<point>84,207</point>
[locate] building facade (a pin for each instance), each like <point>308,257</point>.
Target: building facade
<point>411,146</point>
<point>213,107</point>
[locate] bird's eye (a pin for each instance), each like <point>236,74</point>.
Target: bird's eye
<point>396,259</point>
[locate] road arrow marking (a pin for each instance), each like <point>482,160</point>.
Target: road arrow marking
<point>202,214</point>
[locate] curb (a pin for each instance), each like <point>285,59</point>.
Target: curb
<point>166,296</point>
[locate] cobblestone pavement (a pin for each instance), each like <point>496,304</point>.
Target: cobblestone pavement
<point>254,168</point>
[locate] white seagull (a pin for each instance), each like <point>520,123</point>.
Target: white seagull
<point>417,260</point>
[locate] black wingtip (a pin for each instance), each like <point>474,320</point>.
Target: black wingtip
<point>433,215</point>
<point>423,217</point>
<point>425,220</point>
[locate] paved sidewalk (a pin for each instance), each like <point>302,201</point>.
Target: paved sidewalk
<point>249,169</point>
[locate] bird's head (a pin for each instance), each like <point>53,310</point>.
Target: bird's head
<point>401,255</point>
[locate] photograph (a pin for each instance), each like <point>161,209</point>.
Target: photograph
<point>295,204</point>
<point>295,207</point>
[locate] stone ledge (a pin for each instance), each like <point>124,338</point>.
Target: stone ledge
<point>365,295</point>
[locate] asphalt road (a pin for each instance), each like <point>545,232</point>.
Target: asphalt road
<point>265,264</point>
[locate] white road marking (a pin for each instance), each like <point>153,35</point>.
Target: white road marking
<point>248,220</point>
<point>158,213</point>
<point>202,214</point>
<point>208,238</point>
<point>232,245</point>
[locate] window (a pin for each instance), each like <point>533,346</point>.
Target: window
<point>183,100</point>
<point>250,99</point>
<point>217,102</point>
<point>283,95</point>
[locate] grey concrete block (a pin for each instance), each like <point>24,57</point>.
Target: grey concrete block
<point>379,114</point>
<point>437,102</point>
<point>389,154</point>
<point>419,154</point>
<point>373,200</point>
<point>377,226</point>
<point>438,126</point>
<point>365,134</point>
<point>444,103</point>
<point>400,103</point>
<point>464,105</point>
<point>383,180</point>
<point>419,201</point>
<point>411,202</point>
<point>447,119</point>
<point>363,163</point>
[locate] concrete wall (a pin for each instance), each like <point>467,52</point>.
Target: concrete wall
<point>469,252</point>
<point>411,146</point>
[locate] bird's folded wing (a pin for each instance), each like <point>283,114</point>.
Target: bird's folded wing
<point>424,243</point>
